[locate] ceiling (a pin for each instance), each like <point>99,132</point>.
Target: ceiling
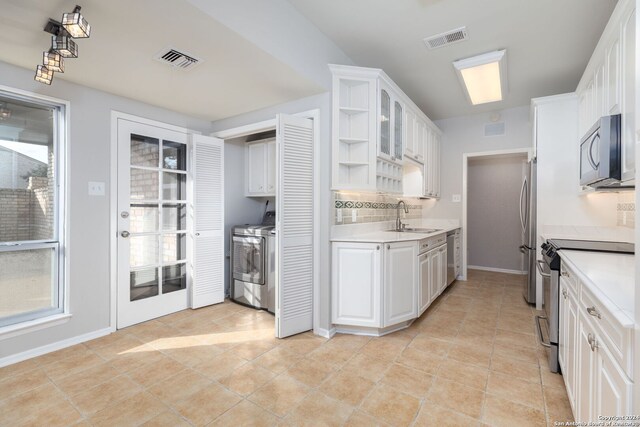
<point>548,42</point>
<point>234,77</point>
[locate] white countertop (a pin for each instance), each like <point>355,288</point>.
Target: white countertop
<point>391,236</point>
<point>611,278</point>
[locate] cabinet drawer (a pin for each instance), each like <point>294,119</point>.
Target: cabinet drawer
<point>570,276</point>
<point>617,338</point>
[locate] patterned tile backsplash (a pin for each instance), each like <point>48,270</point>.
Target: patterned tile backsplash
<point>627,209</point>
<point>372,207</point>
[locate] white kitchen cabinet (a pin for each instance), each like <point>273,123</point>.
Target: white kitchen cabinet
<point>356,284</point>
<point>607,86</point>
<point>434,281</point>
<point>260,168</point>
<point>594,353</point>
<point>400,282</point>
<point>432,164</point>
<point>568,322</point>
<point>442,267</point>
<point>374,125</point>
<point>425,266</point>
<point>374,285</point>
<point>457,256</point>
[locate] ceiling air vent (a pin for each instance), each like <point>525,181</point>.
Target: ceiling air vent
<point>494,129</point>
<point>177,59</point>
<point>445,39</point>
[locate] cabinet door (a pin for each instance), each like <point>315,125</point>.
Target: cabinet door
<point>434,257</point>
<point>410,143</point>
<point>613,78</point>
<point>425,276</point>
<point>567,339</point>
<point>612,387</point>
<point>628,97</point>
<point>384,144</point>
<point>256,168</point>
<point>420,143</point>
<point>436,165</point>
<point>271,168</point>
<point>400,282</point>
<point>443,268</point>
<point>598,92</point>
<point>585,372</point>
<point>355,284</point>
<point>428,161</point>
<point>398,130</point>
<point>456,256</point>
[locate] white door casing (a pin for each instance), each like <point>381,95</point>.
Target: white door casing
<point>294,225</point>
<point>207,260</point>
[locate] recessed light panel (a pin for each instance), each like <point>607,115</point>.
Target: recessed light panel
<point>483,77</point>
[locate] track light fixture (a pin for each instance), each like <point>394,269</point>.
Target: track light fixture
<point>73,25</point>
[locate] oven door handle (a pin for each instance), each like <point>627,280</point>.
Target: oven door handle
<point>542,341</point>
<point>541,268</point>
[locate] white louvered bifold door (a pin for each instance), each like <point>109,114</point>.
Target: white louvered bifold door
<point>294,226</point>
<point>207,285</point>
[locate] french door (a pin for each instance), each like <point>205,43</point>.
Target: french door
<point>153,198</point>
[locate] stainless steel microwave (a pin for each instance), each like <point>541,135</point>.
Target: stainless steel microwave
<point>601,154</point>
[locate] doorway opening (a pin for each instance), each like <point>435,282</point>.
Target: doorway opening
<point>496,211</point>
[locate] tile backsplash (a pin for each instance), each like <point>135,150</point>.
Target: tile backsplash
<point>627,209</point>
<point>372,207</point>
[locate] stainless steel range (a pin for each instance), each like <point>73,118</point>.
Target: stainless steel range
<point>549,268</point>
<point>253,265</point>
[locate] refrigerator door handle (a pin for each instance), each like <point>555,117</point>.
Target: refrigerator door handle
<point>522,191</point>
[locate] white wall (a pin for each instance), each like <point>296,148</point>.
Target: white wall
<point>466,135</point>
<point>493,220</point>
<point>88,245</point>
<point>323,103</point>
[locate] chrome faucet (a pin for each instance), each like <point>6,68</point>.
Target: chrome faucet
<point>399,225</point>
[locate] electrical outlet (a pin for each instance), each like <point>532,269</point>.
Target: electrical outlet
<point>96,188</point>
<point>354,215</point>
<point>339,215</point>
<point>456,198</point>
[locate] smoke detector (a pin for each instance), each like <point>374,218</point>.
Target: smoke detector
<point>177,59</point>
<point>448,38</point>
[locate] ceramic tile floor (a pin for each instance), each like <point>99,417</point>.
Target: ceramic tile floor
<point>471,359</point>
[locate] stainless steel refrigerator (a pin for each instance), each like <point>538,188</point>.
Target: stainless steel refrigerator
<point>528,223</point>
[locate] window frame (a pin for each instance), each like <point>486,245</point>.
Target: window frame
<point>39,319</point>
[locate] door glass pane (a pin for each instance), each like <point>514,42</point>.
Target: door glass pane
<point>145,151</point>
<point>174,247</point>
<point>174,186</point>
<point>174,216</point>
<point>143,284</point>
<point>174,155</point>
<point>144,184</point>
<point>27,281</point>
<point>397,136</point>
<point>143,250</point>
<point>174,278</point>
<point>385,123</point>
<point>143,218</point>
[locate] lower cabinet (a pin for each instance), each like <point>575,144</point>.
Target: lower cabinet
<point>596,383</point>
<point>373,284</point>
<point>425,266</point>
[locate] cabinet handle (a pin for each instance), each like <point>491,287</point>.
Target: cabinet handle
<point>565,294</point>
<point>593,343</point>
<point>388,246</point>
<point>378,248</point>
<point>565,274</point>
<point>594,312</point>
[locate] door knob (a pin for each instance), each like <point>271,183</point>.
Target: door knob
<point>125,234</point>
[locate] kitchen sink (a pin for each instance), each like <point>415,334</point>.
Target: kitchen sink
<point>416,230</point>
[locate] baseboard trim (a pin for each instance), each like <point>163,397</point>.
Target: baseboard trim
<point>325,333</point>
<point>58,345</point>
<point>497,270</point>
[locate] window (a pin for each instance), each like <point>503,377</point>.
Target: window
<point>31,273</point>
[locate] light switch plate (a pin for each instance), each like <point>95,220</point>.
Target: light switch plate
<point>96,188</point>
<point>456,198</point>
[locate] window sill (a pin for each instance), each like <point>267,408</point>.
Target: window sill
<point>33,325</point>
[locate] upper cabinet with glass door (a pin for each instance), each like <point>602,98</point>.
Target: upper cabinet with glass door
<point>375,127</point>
